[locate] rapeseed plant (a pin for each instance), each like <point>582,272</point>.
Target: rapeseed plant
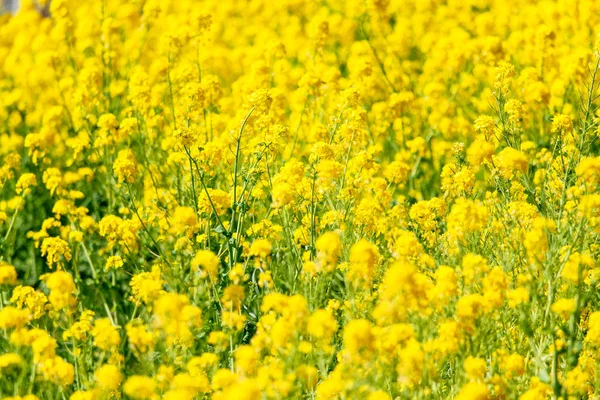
<point>293,199</point>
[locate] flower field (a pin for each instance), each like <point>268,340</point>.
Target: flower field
<point>300,199</point>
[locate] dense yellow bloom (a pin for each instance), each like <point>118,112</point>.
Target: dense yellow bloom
<point>260,248</point>
<point>120,231</point>
<point>593,333</point>
<point>475,368</point>
<point>184,220</point>
<point>576,381</point>
<point>577,267</point>
<point>62,289</point>
<point>537,390</point>
<point>139,387</point>
<point>517,296</point>
<point>480,151</point>
<point>397,172</point>
<point>147,286</point>
<point>509,161</point>
<point>358,336</point>
<point>561,123</point>
<point>246,359</point>
<point>295,199</point>
<point>9,359</point>
<point>563,307</point>
<point>329,248</point>
<point>363,258</point>
<point>473,391</point>
<point>445,287</point>
<point>457,181</point>
<point>473,265</point>
<point>80,328</point>
<point>514,364</point>
<point>8,274</point>
<point>426,213</point>
<point>25,181</point>
<point>588,170</point>
<point>53,248</point>
<point>485,124</point>
<point>125,166</point>
<point>322,326</point>
<point>176,317</point>
<point>467,216</point>
<point>469,306</point>
<point>114,262</point>
<point>106,336</point>
<point>11,317</point>
<point>208,263</point>
<point>139,337</point>
<point>57,370</point>
<point>108,377</point>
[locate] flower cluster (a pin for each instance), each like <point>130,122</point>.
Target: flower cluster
<point>295,199</point>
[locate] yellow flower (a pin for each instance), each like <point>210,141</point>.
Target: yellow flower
<point>588,170</point>
<point>467,216</point>
<point>308,375</point>
<point>475,368</point>
<point>513,364</point>
<point>185,221</point>
<point>25,181</point>
<point>485,125</point>
<point>563,307</point>
<point>329,248</point>
<point>509,161</point>
<point>260,248</point>
<point>457,181</point>
<point>577,381</point>
<point>397,172</point>
<point>80,328</point>
<point>62,288</point>
<point>114,262</point>
<point>561,123</point>
<point>140,339</point>
<point>57,370</point>
<point>474,391</point>
<point>593,333</point>
<point>12,317</point>
<point>109,377</point>
<point>246,359</point>
<point>147,286</point>
<point>53,248</point>
<point>322,325</point>
<point>379,395</point>
<point>357,336</point>
<point>469,306</point>
<point>8,274</point>
<point>176,317</point>
<point>411,365</point>
<point>517,296</point>
<point>9,359</point>
<point>363,258</point>
<point>480,151</point>
<point>139,387</point>
<point>537,390</point>
<point>198,365</point>
<point>106,336</point>
<point>125,166</point>
<point>208,263</point>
